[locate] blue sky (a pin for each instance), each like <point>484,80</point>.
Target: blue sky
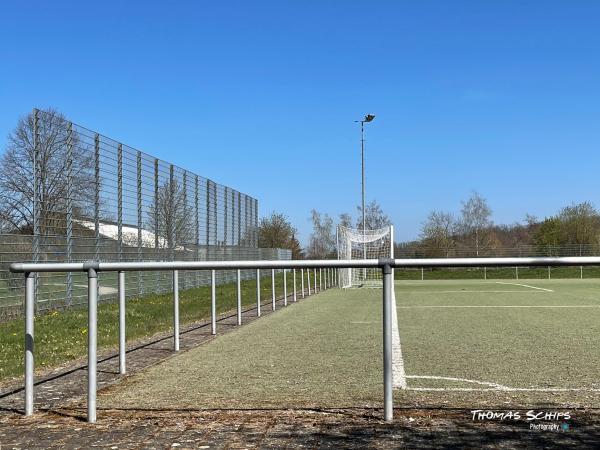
<point>502,97</point>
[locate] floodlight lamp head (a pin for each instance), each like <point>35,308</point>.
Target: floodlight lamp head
<point>369,118</point>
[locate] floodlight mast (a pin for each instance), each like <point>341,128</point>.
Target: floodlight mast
<point>367,118</point>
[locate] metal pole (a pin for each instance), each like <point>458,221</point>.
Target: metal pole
<point>302,274</point>
<point>320,279</point>
<point>273,289</point>
<point>362,166</point>
<point>121,288</point>
<point>295,299</point>
<point>422,273</point>
<point>388,401</point>
<point>284,288</point>
<point>176,310</point>
<point>258,292</point>
<point>213,303</point>
<point>239,297</point>
<point>29,341</point>
<point>517,271</point>
<point>308,280</point>
<point>315,277</point>
<point>92,343</point>
<point>549,277</point>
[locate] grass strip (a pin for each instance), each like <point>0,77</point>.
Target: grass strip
<point>61,336</point>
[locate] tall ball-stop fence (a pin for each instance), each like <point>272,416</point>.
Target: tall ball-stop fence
<point>76,195</point>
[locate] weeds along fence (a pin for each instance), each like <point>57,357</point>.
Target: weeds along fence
<point>74,195</point>
<point>521,251</point>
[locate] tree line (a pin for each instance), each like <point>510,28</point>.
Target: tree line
<point>473,233</point>
<point>277,231</point>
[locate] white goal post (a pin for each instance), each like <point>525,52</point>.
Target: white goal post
<point>367,244</point>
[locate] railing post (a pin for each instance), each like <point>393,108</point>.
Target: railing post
<point>284,288</point>
<point>302,274</point>
<point>320,279</point>
<point>121,288</point>
<point>315,277</point>
<point>388,401</point>
<point>176,310</point>
<point>295,299</point>
<point>273,289</point>
<point>92,342</point>
<point>213,303</point>
<point>239,297</point>
<point>29,341</point>
<point>257,292</point>
<point>308,280</point>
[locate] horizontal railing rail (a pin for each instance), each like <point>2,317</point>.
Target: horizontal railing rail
<point>331,278</point>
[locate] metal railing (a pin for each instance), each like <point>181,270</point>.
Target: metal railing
<point>93,268</point>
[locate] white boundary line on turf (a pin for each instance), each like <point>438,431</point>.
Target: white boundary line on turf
<point>525,285</point>
<point>398,373</point>
<point>464,291</point>
<point>492,386</point>
<point>449,389</point>
<point>498,306</point>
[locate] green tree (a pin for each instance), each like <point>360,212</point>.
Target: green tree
<point>276,231</point>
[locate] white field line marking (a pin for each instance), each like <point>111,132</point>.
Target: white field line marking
<point>498,306</point>
<point>525,285</point>
<point>398,373</point>
<point>464,380</point>
<point>492,386</point>
<point>448,389</point>
<point>469,292</point>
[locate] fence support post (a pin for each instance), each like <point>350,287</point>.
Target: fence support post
<point>302,274</point>
<point>213,303</point>
<point>320,279</point>
<point>273,289</point>
<point>257,292</point>
<point>315,277</point>
<point>29,341</point>
<point>388,401</point>
<point>294,298</point>
<point>284,288</point>
<point>308,280</point>
<point>121,288</point>
<point>176,310</point>
<point>239,297</point>
<point>92,342</point>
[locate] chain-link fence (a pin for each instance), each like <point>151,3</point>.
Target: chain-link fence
<point>77,196</point>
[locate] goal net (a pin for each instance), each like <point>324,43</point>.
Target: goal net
<point>368,244</point>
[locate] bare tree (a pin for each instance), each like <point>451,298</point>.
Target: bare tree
<point>374,216</point>
<point>168,216</point>
<point>345,220</point>
<point>322,240</point>
<point>438,233</point>
<point>60,154</point>
<point>475,218</point>
<point>276,231</point>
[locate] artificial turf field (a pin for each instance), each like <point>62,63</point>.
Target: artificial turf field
<point>525,343</point>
